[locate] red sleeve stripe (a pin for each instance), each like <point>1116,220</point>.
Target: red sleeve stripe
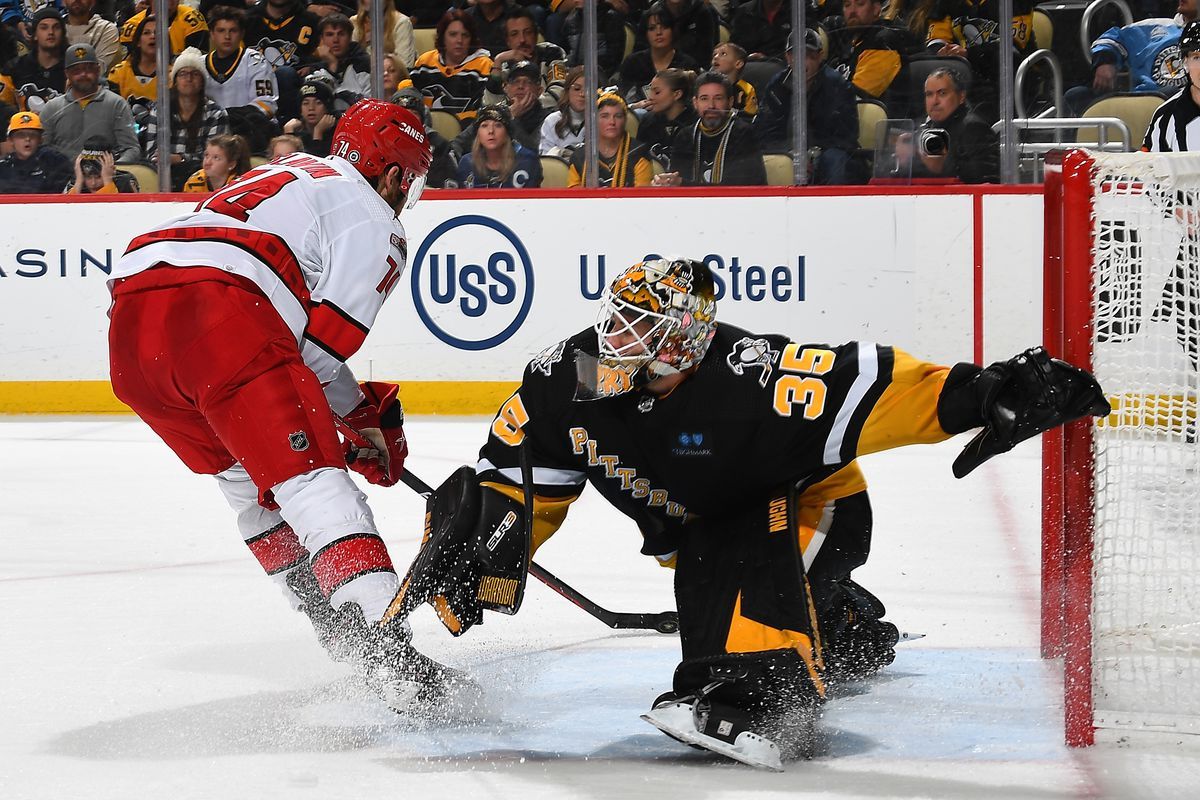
<point>268,248</point>
<point>334,331</point>
<point>278,550</point>
<point>342,561</point>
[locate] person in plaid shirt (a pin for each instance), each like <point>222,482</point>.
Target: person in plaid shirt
<point>194,118</point>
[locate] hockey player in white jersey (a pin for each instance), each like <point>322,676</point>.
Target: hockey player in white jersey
<point>230,328</point>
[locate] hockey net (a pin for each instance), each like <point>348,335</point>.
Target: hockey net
<point>1121,514</point>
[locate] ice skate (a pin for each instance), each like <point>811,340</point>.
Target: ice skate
<point>715,727</point>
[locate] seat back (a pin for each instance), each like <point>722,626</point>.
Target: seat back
<point>445,123</point>
<point>870,114</point>
<point>1043,29</point>
<point>555,172</point>
<point>146,174</point>
<point>424,39</point>
<point>1134,109</point>
<point>779,169</point>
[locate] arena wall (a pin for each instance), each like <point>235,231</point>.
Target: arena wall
<point>947,273</point>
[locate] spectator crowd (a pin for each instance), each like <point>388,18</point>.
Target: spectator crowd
<point>693,92</point>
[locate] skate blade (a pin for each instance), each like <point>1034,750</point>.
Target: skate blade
<point>675,720</point>
<point>909,636</point>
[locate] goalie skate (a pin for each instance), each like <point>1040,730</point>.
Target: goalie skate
<point>719,729</point>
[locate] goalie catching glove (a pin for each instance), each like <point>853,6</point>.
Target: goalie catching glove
<point>474,555</point>
<point>375,446</point>
<point>1014,400</point>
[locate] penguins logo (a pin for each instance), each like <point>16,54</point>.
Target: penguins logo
<point>753,353</point>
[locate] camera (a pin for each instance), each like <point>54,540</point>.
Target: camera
<point>933,141</point>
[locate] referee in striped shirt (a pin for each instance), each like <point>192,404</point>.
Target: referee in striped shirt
<point>1177,121</point>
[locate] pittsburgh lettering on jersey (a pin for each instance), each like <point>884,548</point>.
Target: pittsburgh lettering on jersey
<point>777,515</point>
<point>638,488</point>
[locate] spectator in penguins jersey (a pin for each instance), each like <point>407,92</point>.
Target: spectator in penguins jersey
<point>226,158</point>
<point>285,32</point>
<point>1146,49</point>
<point>41,69</point>
<point>670,110</point>
<point>729,59</point>
<point>135,77</point>
<point>1175,126</point>
<point>521,44</point>
<point>185,28</point>
<point>237,76</point>
<point>620,161</point>
<point>454,74</point>
<point>563,129</point>
<point>719,149</point>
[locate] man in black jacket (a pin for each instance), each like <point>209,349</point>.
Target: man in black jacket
<point>31,168</point>
<point>720,149</point>
<point>832,115</point>
<point>761,27</point>
<point>955,142</point>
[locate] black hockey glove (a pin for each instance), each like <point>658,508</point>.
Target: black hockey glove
<point>1014,400</point>
<point>474,555</point>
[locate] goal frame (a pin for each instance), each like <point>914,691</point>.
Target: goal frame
<point>1068,464</point>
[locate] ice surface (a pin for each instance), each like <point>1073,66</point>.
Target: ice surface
<point>144,655</point>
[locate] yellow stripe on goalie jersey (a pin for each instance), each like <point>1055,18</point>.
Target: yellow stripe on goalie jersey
<point>548,512</point>
<point>907,411</point>
<point>748,636</point>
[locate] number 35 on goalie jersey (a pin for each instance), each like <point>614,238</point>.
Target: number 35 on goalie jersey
<point>760,411</point>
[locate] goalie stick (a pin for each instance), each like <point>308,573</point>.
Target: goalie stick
<point>663,622</point>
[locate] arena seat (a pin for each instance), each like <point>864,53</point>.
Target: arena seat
<point>424,39</point>
<point>555,172</point>
<point>870,114</point>
<point>779,169</point>
<point>445,123</point>
<point>1133,108</point>
<point>147,176</point>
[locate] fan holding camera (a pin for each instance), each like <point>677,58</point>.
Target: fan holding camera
<point>96,171</point>
<point>954,142</point>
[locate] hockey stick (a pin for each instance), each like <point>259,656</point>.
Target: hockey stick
<point>663,622</point>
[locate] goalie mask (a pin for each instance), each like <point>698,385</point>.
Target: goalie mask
<point>656,319</point>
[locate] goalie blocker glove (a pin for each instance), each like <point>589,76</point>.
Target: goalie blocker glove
<point>474,555</point>
<point>1014,400</point>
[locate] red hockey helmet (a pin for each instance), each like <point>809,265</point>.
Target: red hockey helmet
<point>373,135</point>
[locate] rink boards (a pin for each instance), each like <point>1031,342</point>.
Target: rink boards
<point>493,278</point>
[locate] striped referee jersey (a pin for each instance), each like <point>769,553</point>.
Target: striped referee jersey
<point>1174,125</point>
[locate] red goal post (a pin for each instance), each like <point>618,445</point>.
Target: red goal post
<point>1121,495</point>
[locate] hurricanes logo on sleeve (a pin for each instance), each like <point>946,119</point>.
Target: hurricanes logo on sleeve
<point>749,352</point>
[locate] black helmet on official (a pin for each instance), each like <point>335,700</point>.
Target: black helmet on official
<point>657,318</point>
<point>1189,39</point>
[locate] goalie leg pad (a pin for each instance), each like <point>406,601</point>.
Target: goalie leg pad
<point>1014,400</point>
<point>474,555</point>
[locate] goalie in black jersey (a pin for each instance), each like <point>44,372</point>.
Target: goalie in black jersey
<point>727,449</point>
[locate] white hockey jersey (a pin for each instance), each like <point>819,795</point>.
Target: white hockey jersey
<point>250,81</point>
<point>312,234</point>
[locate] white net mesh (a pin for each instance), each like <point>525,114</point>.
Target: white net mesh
<point>1146,292</point>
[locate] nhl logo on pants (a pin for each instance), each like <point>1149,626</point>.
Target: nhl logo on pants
<point>298,441</point>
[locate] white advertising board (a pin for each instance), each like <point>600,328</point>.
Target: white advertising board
<point>491,281</point>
